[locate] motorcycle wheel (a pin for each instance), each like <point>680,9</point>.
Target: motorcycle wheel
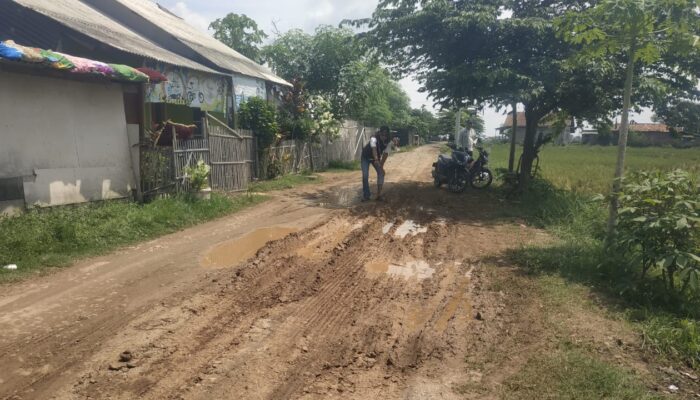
<point>481,179</point>
<point>457,184</point>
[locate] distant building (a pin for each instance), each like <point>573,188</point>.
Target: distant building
<point>654,133</point>
<point>544,130</point>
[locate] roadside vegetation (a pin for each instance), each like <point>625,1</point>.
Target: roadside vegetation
<point>44,238</point>
<point>649,274</point>
<point>343,166</point>
<point>282,182</point>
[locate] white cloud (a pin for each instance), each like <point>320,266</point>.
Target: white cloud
<point>193,18</point>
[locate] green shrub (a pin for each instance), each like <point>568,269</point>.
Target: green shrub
<point>260,116</point>
<point>659,225</point>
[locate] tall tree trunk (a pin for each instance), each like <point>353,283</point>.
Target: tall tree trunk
<point>622,141</point>
<point>458,122</point>
<point>511,158</point>
<point>532,119</point>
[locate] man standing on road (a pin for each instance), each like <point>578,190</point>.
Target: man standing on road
<point>375,153</point>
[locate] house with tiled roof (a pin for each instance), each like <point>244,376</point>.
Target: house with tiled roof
<point>656,134</point>
<point>545,129</point>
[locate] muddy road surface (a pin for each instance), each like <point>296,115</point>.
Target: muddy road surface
<point>310,295</point>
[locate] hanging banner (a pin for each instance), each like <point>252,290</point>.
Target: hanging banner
<point>191,88</point>
<point>245,87</point>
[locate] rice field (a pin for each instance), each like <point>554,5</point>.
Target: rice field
<point>589,169</point>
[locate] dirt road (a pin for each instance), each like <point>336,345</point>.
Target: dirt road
<point>347,300</point>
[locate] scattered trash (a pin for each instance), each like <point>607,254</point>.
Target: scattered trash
<point>10,267</point>
<point>673,388</point>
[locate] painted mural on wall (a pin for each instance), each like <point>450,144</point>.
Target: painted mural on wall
<point>245,88</point>
<point>191,88</point>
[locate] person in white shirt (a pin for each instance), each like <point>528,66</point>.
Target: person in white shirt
<point>375,153</point>
<point>465,139</point>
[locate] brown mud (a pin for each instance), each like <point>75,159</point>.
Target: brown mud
<point>311,295</point>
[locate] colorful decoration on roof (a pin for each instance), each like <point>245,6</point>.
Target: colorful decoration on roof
<point>12,51</point>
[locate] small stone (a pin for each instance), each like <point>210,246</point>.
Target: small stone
<point>673,388</point>
<point>479,317</point>
<point>125,356</point>
<point>305,349</point>
<point>131,365</point>
<point>93,381</point>
<point>114,367</point>
<point>620,342</point>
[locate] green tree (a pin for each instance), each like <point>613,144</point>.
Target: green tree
<point>446,121</point>
<point>334,64</point>
<point>240,33</point>
<point>288,55</point>
<point>423,122</point>
<point>681,116</point>
<point>659,42</point>
<point>467,52</point>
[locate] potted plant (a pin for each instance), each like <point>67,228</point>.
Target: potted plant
<point>198,177</point>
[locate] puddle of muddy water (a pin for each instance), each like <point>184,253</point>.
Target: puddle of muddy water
<point>409,228</point>
<point>229,254</point>
<point>418,269</point>
<point>340,198</point>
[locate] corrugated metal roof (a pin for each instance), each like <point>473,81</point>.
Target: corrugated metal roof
<point>210,48</point>
<point>78,16</point>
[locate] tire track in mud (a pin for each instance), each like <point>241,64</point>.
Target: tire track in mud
<point>327,320</point>
<point>305,317</point>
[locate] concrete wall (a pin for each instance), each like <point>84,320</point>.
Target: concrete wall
<point>67,140</point>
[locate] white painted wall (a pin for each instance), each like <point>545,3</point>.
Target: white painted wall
<point>68,139</point>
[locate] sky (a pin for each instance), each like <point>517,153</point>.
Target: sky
<point>307,15</point>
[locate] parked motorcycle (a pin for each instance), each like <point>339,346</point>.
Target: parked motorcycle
<point>456,172</point>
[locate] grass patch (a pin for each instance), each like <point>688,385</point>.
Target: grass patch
<point>561,202</point>
<point>343,166</point>
<point>283,182</point>
<point>589,169</point>
<point>54,237</point>
<point>573,374</point>
<point>669,322</point>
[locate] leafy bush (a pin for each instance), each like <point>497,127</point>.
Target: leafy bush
<point>659,224</point>
<point>260,116</point>
<point>198,175</point>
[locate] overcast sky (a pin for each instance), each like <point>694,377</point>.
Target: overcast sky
<point>307,15</point>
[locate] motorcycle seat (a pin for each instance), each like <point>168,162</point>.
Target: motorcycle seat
<point>443,159</point>
<point>460,156</point>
